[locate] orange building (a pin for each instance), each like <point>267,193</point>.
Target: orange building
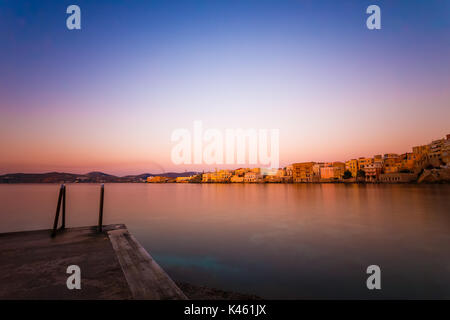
<point>363,162</point>
<point>303,172</point>
<point>352,166</point>
<point>157,179</point>
<point>392,163</point>
<point>446,151</point>
<point>373,172</point>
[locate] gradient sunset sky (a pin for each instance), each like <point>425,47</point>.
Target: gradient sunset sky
<point>107,97</point>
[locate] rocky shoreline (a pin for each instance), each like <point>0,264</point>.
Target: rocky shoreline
<point>195,292</point>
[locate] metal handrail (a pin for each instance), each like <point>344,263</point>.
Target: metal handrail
<point>61,199</point>
<point>100,212</point>
<point>62,203</point>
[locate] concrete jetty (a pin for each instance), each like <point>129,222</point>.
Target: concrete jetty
<point>113,265</point>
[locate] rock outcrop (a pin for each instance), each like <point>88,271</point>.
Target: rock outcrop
<point>435,175</point>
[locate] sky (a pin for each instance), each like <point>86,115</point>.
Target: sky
<point>109,96</point>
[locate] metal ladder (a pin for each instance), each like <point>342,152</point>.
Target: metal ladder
<point>62,203</point>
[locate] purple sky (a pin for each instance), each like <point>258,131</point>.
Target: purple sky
<point>107,97</point>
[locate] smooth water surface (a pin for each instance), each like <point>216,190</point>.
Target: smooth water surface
<point>289,241</point>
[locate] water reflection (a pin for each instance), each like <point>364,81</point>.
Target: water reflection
<point>276,241</point>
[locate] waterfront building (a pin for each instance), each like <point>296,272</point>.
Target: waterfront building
<point>253,177</point>
<point>446,151</point>
<point>217,176</point>
<point>281,172</point>
<point>436,149</point>
<point>236,179</point>
<point>207,177</point>
<point>273,178</point>
<point>421,150</point>
<point>316,168</point>
<point>183,179</point>
<point>378,158</point>
<point>339,169</point>
<point>397,177</point>
<point>352,166</point>
<point>332,171</point>
<point>289,170</point>
<point>421,153</point>
<point>362,162</point>
<point>373,172</point>
<point>268,171</point>
<point>303,172</point>
<point>157,179</point>
<point>241,171</point>
<point>409,162</point>
<point>327,173</point>
<point>223,175</point>
<point>390,156</point>
<point>391,163</point>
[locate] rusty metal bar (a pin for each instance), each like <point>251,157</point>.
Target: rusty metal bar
<point>63,226</point>
<point>58,209</point>
<point>100,213</point>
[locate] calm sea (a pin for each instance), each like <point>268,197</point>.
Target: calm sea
<point>275,241</point>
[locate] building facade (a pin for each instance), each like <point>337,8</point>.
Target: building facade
<point>303,172</point>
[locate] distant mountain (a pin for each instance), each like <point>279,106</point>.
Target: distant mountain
<point>91,177</point>
<point>177,174</point>
<point>98,174</point>
<point>50,177</point>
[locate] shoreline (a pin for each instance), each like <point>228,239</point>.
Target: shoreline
<point>198,292</point>
<point>235,183</point>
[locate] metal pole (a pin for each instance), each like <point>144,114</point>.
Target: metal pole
<point>58,207</point>
<point>63,226</point>
<point>100,213</point>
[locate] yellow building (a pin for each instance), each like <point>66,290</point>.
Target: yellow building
<point>421,150</point>
<point>332,171</point>
<point>363,162</point>
<point>436,148</point>
<point>217,176</point>
<point>157,179</point>
<point>352,166</point>
<point>241,171</point>
<point>327,173</point>
<point>224,175</point>
<point>207,177</point>
<point>236,179</point>
<point>409,161</point>
<point>373,172</point>
<point>339,169</point>
<point>391,163</point>
<point>317,167</point>
<point>289,170</point>
<point>183,179</point>
<point>252,176</point>
<point>303,172</point>
<point>446,151</point>
<point>378,160</point>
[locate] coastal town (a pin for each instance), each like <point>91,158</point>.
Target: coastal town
<point>426,163</point>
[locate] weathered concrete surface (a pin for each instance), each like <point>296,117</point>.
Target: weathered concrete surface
<point>33,266</point>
